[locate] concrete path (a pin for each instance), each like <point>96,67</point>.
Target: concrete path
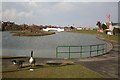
<point>106,64</point>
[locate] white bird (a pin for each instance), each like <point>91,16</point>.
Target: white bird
<point>32,60</point>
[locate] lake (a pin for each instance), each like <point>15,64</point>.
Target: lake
<point>44,46</point>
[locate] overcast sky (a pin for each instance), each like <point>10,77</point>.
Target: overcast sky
<point>59,13</point>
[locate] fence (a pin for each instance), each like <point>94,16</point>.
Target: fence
<point>97,49</point>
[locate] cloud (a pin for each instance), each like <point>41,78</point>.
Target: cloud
<point>0,11</point>
<point>13,14</point>
<point>60,13</point>
<point>60,1</point>
<point>64,6</point>
<point>32,3</point>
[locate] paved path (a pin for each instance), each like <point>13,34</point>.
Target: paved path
<point>106,64</point>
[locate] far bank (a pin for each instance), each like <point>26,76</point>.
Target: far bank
<point>114,38</point>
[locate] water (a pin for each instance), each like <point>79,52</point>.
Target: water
<point>44,46</point>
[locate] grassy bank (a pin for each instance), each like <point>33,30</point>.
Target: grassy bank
<point>29,33</point>
<point>112,37</point>
<point>68,71</point>
<point>85,31</point>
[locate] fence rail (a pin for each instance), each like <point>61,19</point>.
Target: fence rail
<point>90,50</point>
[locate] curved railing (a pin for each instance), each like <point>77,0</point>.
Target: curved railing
<point>81,50</point>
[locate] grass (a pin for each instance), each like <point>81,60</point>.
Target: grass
<point>112,37</point>
<point>68,71</point>
<point>29,33</point>
<point>85,31</point>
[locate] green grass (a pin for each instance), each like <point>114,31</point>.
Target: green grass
<point>29,33</point>
<point>85,31</point>
<point>68,71</point>
<point>111,37</point>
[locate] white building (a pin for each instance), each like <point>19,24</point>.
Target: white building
<point>79,28</point>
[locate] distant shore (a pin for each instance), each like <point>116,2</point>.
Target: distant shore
<point>28,33</point>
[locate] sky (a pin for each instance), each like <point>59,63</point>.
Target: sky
<point>76,14</point>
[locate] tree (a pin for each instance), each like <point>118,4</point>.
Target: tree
<point>116,31</point>
<point>72,27</point>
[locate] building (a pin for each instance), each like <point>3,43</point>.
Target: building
<point>79,28</point>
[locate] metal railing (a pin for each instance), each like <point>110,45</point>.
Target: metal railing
<point>90,49</point>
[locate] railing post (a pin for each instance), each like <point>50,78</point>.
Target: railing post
<point>97,48</point>
<point>90,49</point>
<point>80,51</point>
<point>69,52</point>
<point>57,52</point>
<point>103,49</point>
<point>106,47</point>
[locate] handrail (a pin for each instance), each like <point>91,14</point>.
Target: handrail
<point>81,51</point>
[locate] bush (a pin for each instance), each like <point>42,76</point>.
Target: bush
<point>116,31</point>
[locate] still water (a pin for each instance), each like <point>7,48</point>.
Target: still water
<point>44,46</point>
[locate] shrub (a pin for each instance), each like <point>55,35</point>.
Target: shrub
<point>116,31</point>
